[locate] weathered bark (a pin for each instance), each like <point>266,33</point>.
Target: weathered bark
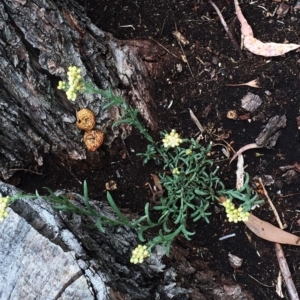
<point>48,255</point>
<point>39,39</point>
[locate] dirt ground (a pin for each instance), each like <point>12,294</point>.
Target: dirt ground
<point>201,86</point>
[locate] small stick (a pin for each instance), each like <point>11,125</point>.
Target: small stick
<point>26,170</point>
<point>185,58</point>
<point>71,173</point>
<point>286,273</point>
<point>229,33</point>
<point>272,205</point>
<point>280,254</point>
<point>196,121</point>
<point>127,26</point>
<point>164,48</point>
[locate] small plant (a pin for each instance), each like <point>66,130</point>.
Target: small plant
<point>191,185</point>
<point>189,179</point>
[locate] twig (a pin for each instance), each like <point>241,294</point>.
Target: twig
<point>270,286</point>
<point>286,273</point>
<point>185,60</point>
<point>164,48</point>
<point>127,26</point>
<point>272,205</point>
<point>280,255</point>
<point>125,147</point>
<point>196,121</point>
<point>229,33</point>
<point>227,236</point>
<point>71,173</point>
<point>26,170</point>
<point>289,195</point>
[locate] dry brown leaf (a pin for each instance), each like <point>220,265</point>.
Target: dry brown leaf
<point>157,182</point>
<point>270,232</point>
<point>256,46</point>
<point>247,147</point>
<point>253,83</point>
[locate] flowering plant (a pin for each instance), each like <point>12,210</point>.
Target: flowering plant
<point>189,179</point>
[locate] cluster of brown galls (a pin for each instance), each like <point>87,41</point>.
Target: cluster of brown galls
<point>86,120</point>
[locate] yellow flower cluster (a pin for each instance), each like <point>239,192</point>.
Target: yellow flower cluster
<point>175,171</point>
<point>4,202</point>
<point>235,214</point>
<point>188,151</point>
<point>139,254</point>
<point>172,140</point>
<point>75,83</point>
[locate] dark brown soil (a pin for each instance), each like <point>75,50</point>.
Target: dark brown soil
<point>213,63</point>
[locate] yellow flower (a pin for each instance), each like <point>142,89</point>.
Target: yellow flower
<point>235,214</point>
<point>139,254</point>
<point>4,202</point>
<point>172,140</point>
<point>61,85</point>
<point>74,85</point>
<point>188,151</point>
<point>71,95</point>
<point>175,171</point>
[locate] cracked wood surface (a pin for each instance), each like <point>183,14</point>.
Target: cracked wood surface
<point>38,41</point>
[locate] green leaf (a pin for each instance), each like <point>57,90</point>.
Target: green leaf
<point>86,197</point>
<point>140,234</point>
<point>148,216</point>
<point>140,220</point>
<point>115,209</point>
<point>99,225</point>
<point>122,121</point>
<point>187,233</point>
<point>201,192</point>
<point>61,207</point>
<point>165,227</point>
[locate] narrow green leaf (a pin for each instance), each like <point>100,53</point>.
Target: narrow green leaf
<point>99,225</point>
<point>116,209</point>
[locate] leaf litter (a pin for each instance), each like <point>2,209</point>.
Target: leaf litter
<point>256,46</point>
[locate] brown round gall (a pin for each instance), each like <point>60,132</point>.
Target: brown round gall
<point>86,119</point>
<point>93,139</point>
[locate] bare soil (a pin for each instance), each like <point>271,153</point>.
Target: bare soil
<point>201,86</point>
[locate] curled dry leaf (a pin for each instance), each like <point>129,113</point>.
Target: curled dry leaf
<point>253,83</point>
<point>157,182</point>
<point>256,46</point>
<point>247,147</point>
<point>271,233</point>
<point>268,137</point>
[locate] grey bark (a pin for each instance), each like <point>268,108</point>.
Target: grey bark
<point>39,39</point>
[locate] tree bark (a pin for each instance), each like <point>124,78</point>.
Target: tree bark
<point>39,40</point>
